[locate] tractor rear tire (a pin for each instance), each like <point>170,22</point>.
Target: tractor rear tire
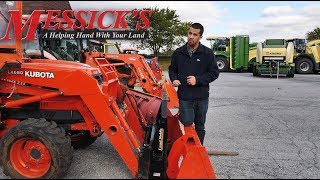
<point>36,148</point>
<point>82,140</point>
<point>304,66</point>
<point>223,64</point>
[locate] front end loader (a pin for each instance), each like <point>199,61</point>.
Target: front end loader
<point>50,107</point>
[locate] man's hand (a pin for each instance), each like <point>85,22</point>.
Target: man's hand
<point>191,80</point>
<point>176,83</point>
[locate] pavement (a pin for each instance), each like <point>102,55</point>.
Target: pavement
<point>272,123</point>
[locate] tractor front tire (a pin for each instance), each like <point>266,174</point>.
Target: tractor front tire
<point>304,66</point>
<point>36,148</point>
<point>222,63</point>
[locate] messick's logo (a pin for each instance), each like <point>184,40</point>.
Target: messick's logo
<point>68,23</point>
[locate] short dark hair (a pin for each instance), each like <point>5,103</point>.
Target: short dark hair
<point>198,26</point>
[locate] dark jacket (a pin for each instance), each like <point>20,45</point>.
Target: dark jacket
<point>202,65</point>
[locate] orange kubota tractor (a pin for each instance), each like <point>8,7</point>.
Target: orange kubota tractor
<point>50,106</point>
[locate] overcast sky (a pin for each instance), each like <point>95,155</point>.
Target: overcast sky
<point>258,19</point>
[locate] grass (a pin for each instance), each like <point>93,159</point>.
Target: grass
<point>164,63</point>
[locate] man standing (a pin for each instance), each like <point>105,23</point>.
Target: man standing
<point>193,67</point>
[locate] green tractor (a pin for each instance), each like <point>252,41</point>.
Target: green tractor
<point>274,56</point>
<point>233,53</point>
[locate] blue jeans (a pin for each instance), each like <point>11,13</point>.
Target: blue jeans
<point>194,112</point>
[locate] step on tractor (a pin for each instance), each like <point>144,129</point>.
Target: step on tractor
<point>306,55</point>
<point>274,58</point>
<point>233,53</point>
<point>51,107</point>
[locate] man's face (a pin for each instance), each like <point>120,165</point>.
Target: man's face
<point>193,36</point>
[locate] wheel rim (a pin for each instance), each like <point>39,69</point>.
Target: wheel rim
<point>304,66</point>
<point>221,64</point>
<point>30,158</point>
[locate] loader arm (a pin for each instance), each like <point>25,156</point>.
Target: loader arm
<point>141,72</point>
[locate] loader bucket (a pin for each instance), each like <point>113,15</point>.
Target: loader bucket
<point>188,159</point>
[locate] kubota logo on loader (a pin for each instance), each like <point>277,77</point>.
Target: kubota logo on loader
<point>37,74</point>
<point>33,74</point>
